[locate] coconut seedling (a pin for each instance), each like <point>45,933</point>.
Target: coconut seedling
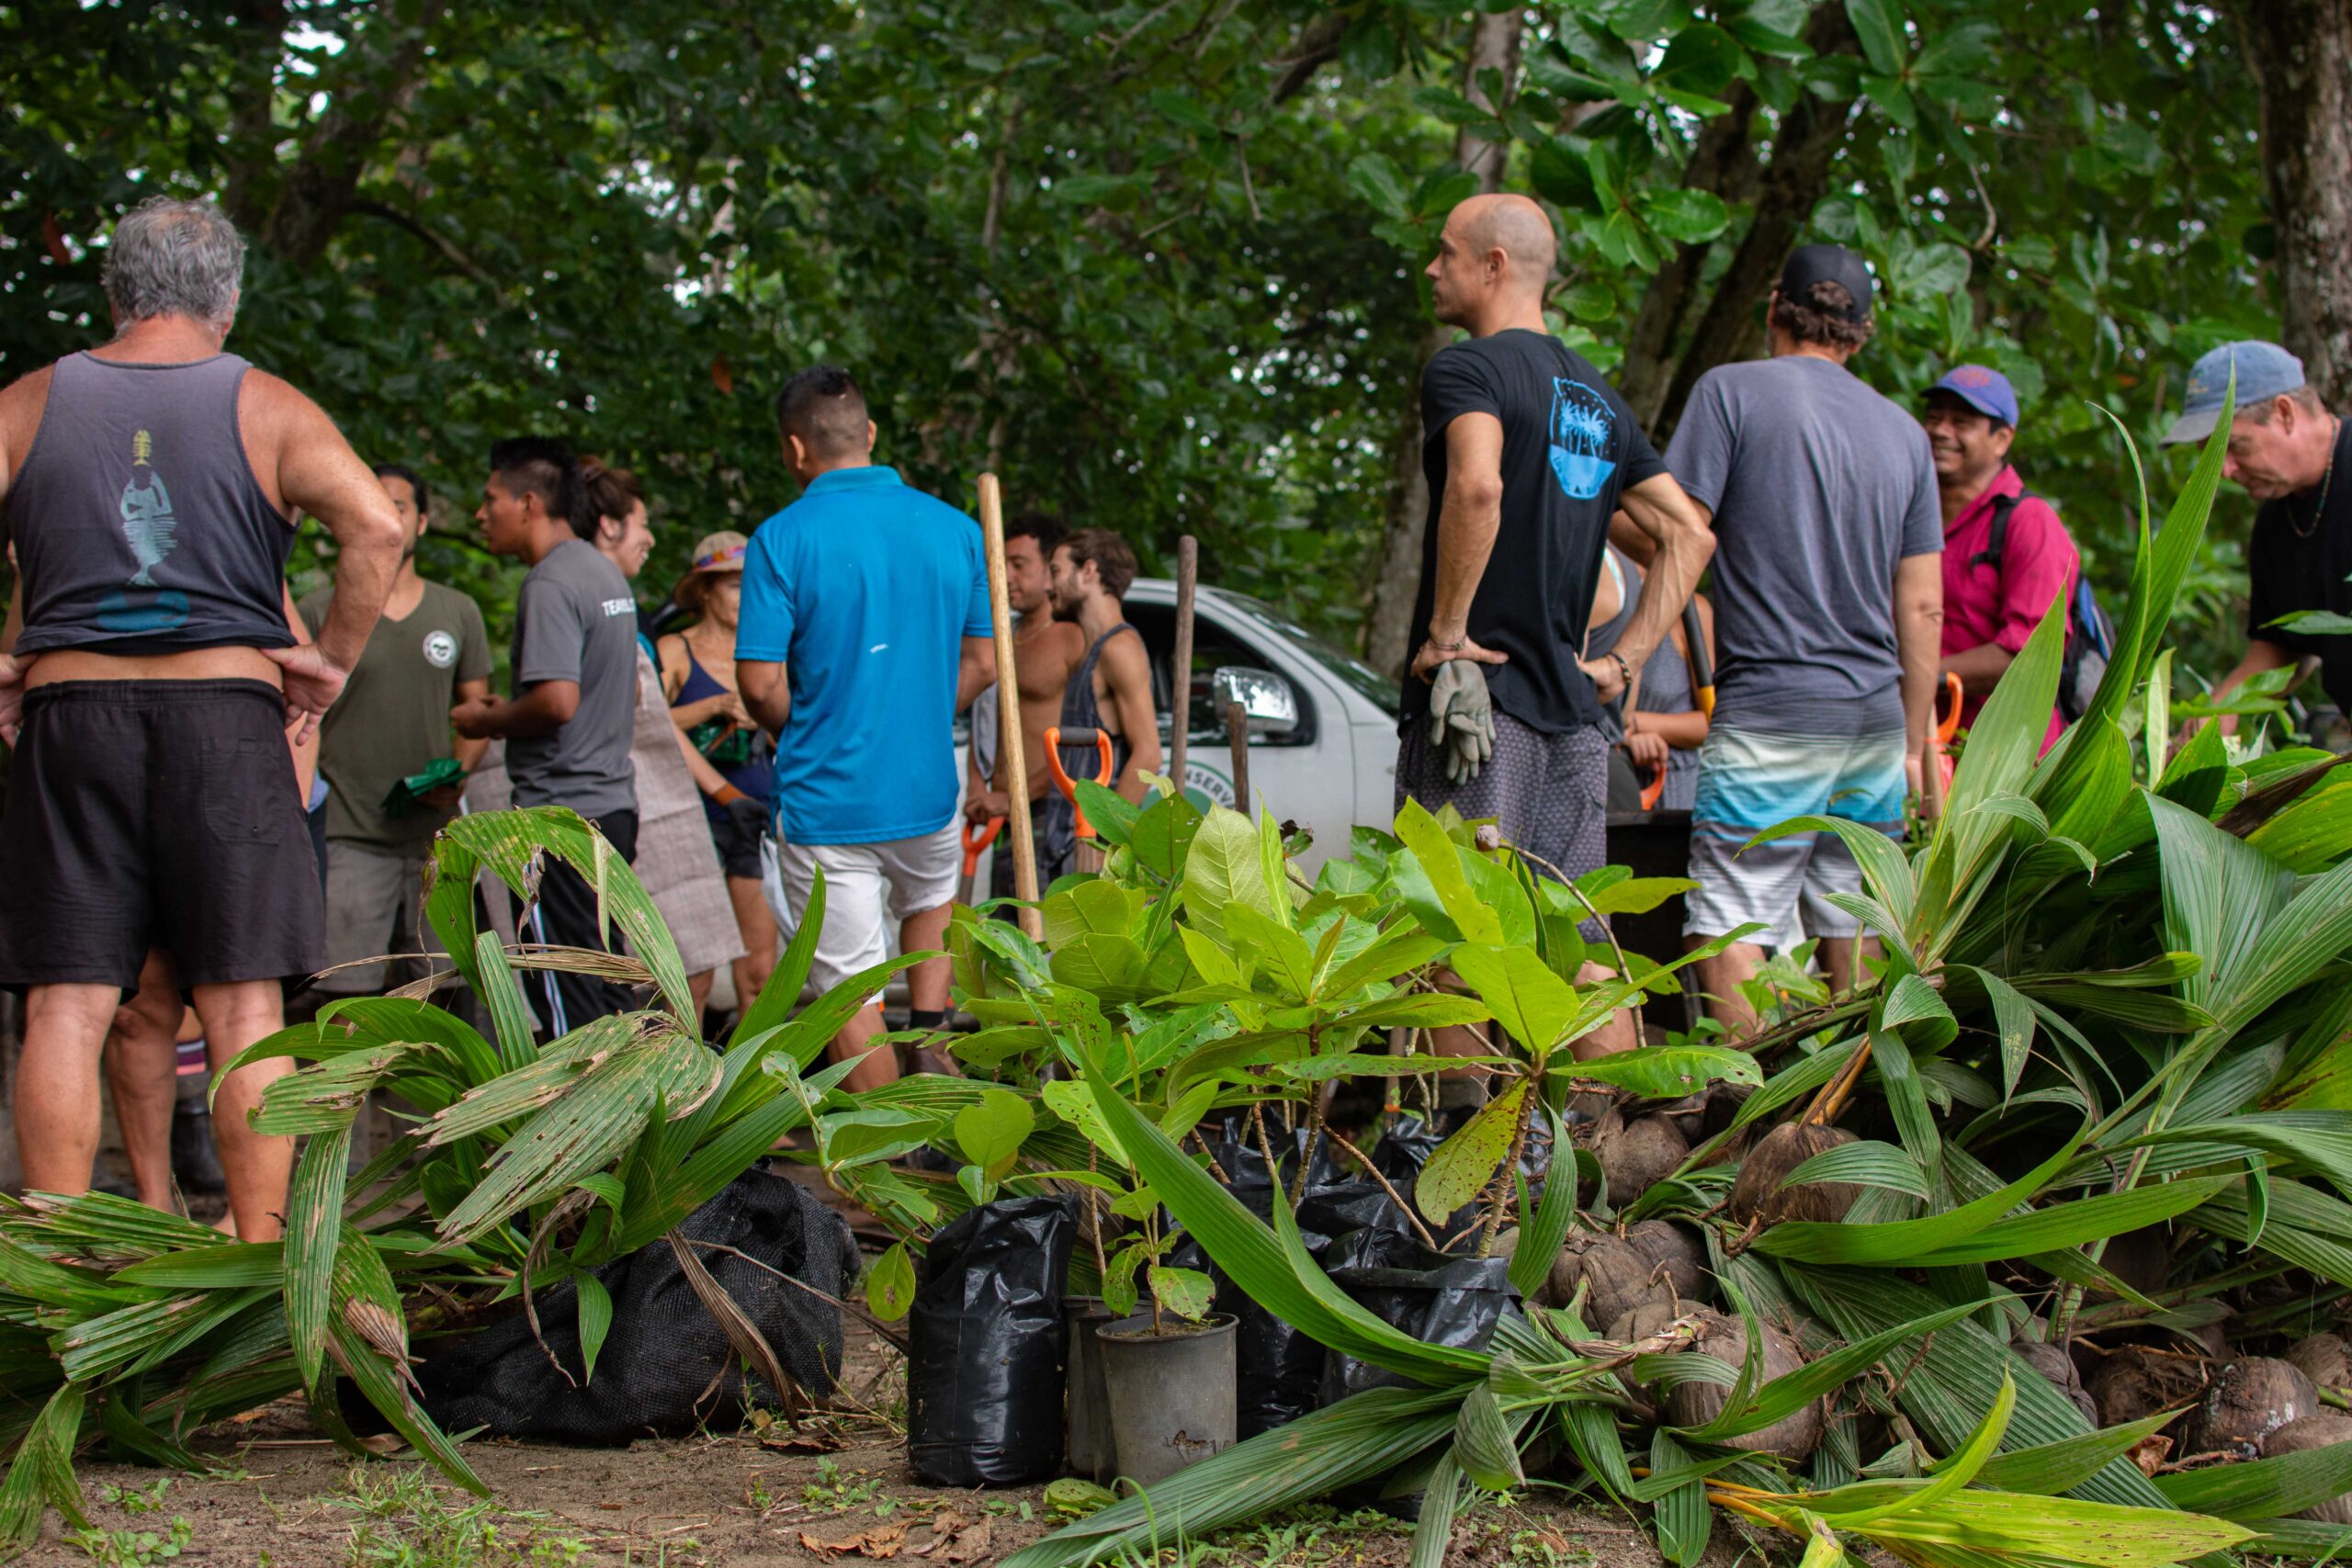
<point>2322,1358</point>
<point>2138,1381</point>
<point>2321,1430</point>
<point>2249,1400</point>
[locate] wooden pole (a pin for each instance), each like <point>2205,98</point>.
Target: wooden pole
<point>1008,722</point>
<point>1188,577</point>
<point>1236,735</point>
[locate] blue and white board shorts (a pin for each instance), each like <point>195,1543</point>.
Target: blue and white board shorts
<point>1750,780</point>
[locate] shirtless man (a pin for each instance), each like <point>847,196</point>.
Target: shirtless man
<point>1045,653</point>
<point>149,623</point>
<point>1110,689</point>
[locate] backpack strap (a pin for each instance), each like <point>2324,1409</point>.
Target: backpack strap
<point>2000,539</point>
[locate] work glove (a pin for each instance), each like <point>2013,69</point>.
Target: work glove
<point>750,812</point>
<point>1462,718</point>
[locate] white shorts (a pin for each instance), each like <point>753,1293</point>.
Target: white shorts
<point>865,887</point>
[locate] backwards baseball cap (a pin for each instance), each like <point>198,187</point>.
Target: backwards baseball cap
<point>2265,370</point>
<point>1809,265</point>
<point>1983,389</point>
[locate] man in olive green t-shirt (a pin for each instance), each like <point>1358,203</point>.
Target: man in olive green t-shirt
<point>427,653</point>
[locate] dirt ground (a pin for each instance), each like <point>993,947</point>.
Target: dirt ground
<point>286,1498</point>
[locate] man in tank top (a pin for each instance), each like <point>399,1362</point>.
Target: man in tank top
<point>1110,688</point>
<point>149,490</point>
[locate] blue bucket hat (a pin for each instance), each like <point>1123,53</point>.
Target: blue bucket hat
<point>2264,371</point>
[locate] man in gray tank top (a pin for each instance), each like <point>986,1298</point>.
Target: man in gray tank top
<point>148,490</point>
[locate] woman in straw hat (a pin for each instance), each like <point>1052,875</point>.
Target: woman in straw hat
<point>698,677</point>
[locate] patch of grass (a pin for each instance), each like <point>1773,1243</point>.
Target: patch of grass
<point>834,1491</point>
<point>1314,1536</point>
<point>134,1549</point>
<point>407,1522</point>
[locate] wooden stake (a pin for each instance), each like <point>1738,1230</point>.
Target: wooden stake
<point>1188,577</point>
<point>1236,735</point>
<point>1008,722</point>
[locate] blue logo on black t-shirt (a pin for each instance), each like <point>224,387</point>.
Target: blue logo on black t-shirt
<point>1583,430</point>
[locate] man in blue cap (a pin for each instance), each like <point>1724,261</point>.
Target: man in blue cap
<point>2006,556</point>
<point>2284,447</point>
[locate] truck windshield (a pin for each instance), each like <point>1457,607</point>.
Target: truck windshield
<point>1375,688</point>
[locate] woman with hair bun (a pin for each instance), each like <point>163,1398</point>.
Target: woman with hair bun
<point>674,858</point>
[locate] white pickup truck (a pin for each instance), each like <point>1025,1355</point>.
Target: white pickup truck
<point>1331,768</point>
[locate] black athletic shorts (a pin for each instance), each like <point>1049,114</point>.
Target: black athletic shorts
<point>156,813</point>
<point>738,844</point>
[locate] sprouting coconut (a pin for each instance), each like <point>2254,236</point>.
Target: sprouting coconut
<point>2136,1381</point>
<point>1650,1317</point>
<point>2140,1258</point>
<point>1651,1263</point>
<point>2321,1430</point>
<point>1762,1196</point>
<point>2324,1358</point>
<point>2246,1401</point>
<point>2058,1368</point>
<point>1676,1250</point>
<point>1794,1437</point>
<point>1635,1156</point>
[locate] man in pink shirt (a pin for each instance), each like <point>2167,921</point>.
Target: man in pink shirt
<point>2006,556</point>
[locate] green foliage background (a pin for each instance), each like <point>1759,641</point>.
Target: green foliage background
<point>1156,262</point>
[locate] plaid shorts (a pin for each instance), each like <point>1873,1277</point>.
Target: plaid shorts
<point>1548,794</point>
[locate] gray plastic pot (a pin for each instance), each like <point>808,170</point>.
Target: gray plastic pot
<point>1171,1395</point>
<point>1090,1453</point>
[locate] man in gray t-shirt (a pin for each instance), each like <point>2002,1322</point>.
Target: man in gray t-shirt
<point>569,725</point>
<point>1828,589</point>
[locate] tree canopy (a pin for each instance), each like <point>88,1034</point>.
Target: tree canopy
<point>1157,263</point>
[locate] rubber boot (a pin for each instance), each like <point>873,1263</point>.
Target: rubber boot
<point>194,1165</point>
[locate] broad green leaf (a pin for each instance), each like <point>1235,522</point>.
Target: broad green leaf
<point>1879,25</point>
<point>1281,954</point>
<point>2263,1488</point>
<point>595,1319</point>
<point>1185,1292</point>
<point>1667,1072</point>
<point>1540,1238</point>
<point>990,1130</point>
<point>1222,868</point>
<point>314,1233</point>
<point>1529,1002</point>
<point>1460,1167</point>
<point>1365,1435</point>
<point>1434,856</point>
<point>1485,1442</point>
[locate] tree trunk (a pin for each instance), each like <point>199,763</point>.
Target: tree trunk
<point>2302,55</point>
<point>321,186</point>
<point>1796,179</point>
<point>1723,157</point>
<point>1388,629</point>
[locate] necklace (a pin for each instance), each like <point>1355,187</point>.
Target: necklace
<point>2319,506</point>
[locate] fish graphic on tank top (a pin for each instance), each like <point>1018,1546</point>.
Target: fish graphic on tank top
<point>149,526</point>
<point>1583,428</point>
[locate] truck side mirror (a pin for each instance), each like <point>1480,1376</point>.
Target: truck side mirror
<point>1267,701</point>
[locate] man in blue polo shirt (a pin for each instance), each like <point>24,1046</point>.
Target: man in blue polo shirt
<point>865,630</point>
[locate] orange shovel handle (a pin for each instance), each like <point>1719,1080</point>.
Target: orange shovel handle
<point>1063,782</point>
<point>976,839</point>
<point>1949,725</point>
<point>1653,790</point>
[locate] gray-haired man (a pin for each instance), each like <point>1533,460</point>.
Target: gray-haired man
<point>2284,443</point>
<point>148,490</point>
